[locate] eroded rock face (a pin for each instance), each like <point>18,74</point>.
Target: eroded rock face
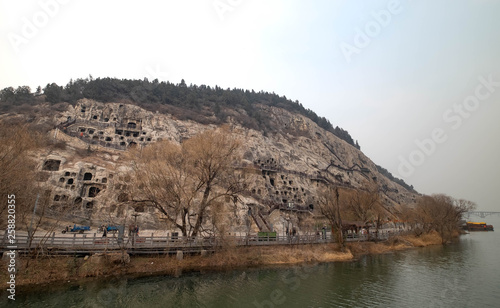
<point>284,168</point>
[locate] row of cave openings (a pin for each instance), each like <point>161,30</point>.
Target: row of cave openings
<point>101,117</point>
<point>106,118</point>
<point>69,181</point>
<point>289,192</point>
<point>88,204</point>
<point>135,134</point>
<point>120,135</point>
<point>269,167</point>
<point>86,177</point>
<point>270,163</point>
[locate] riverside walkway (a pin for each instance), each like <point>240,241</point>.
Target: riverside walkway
<point>85,244</point>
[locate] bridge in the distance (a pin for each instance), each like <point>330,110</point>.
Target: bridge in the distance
<point>481,214</point>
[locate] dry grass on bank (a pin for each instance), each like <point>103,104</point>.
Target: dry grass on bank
<point>51,269</point>
<point>394,244</point>
<point>428,239</point>
<point>242,257</point>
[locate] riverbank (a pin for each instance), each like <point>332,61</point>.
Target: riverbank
<point>56,269</point>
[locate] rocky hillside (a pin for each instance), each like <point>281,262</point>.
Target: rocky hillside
<point>86,175</point>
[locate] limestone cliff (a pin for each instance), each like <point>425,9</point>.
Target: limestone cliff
<point>86,178</point>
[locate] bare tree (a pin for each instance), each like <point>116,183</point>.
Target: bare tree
<point>380,213</point>
<point>364,203</point>
<point>330,203</point>
<point>463,206</point>
<point>441,213</point>
<point>18,172</point>
<point>15,163</point>
<point>408,216</point>
<point>19,178</point>
<point>183,182</point>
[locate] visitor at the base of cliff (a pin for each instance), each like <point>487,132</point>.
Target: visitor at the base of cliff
<point>105,232</point>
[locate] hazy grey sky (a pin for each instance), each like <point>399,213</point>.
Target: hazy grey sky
<point>412,81</point>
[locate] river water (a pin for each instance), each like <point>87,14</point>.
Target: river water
<point>463,274</point>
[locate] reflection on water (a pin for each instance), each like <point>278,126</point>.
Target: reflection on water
<point>465,274</point>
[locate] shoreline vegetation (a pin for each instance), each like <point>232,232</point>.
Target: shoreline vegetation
<point>45,271</point>
<point>199,188</point>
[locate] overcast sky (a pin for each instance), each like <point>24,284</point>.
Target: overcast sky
<point>415,82</point>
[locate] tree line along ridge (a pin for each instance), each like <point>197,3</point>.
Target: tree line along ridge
<point>203,104</point>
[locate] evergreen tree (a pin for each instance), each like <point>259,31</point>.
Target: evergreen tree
<point>53,93</point>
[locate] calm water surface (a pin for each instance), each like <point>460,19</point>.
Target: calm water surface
<point>465,274</point>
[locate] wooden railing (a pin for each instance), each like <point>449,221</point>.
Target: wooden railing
<point>91,243</point>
